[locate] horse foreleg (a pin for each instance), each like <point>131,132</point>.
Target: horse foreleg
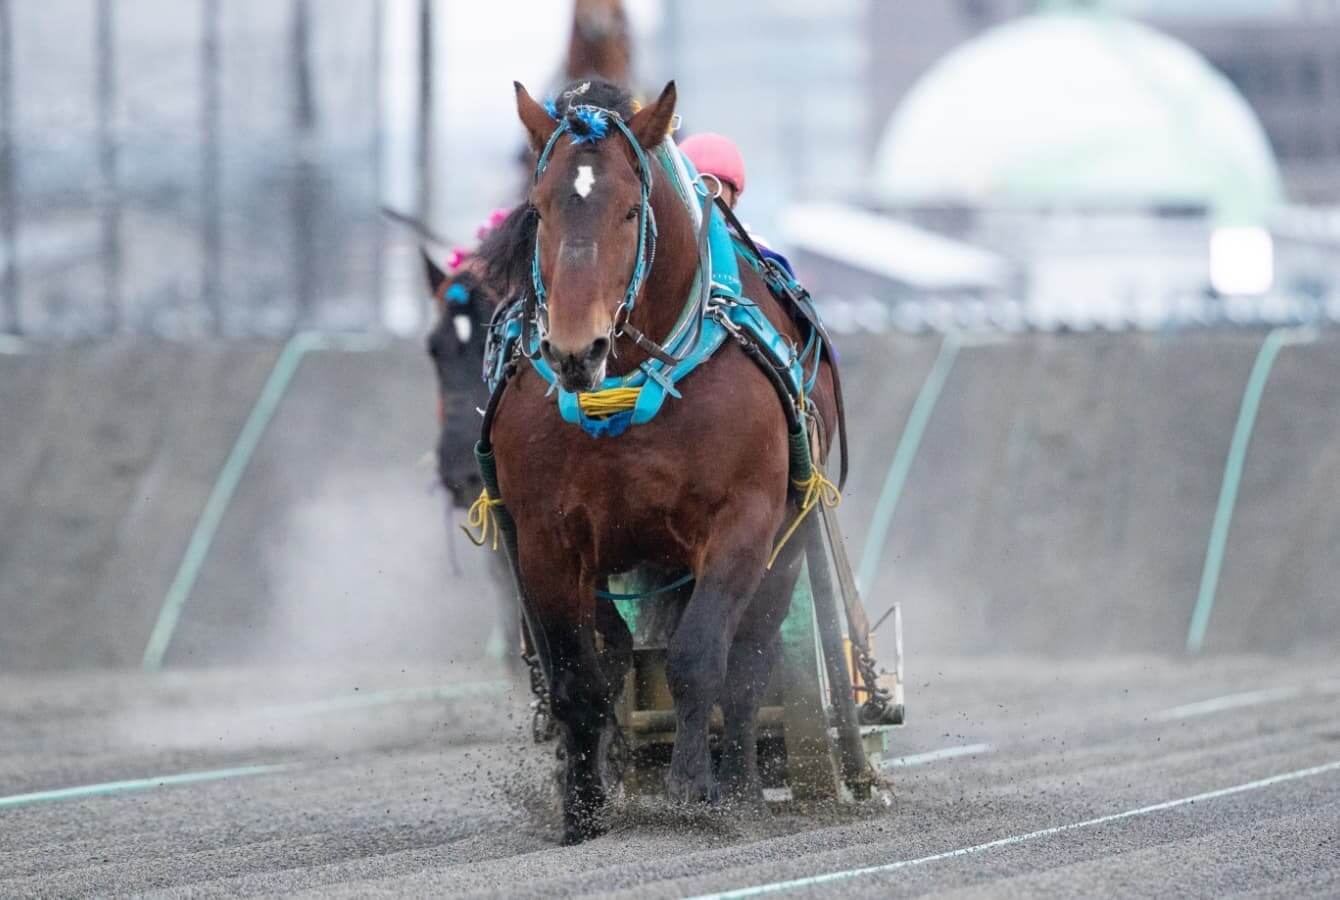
<point>581,696</point>
<point>753,656</point>
<point>583,704</point>
<point>698,653</point>
<point>616,651</point>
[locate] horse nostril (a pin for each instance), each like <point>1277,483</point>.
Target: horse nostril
<point>599,347</point>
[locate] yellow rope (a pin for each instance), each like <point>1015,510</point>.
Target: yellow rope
<point>609,401</point>
<point>481,517</point>
<point>817,489</point>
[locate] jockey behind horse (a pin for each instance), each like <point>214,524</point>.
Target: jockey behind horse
<point>716,156</point>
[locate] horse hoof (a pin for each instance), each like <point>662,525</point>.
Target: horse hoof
<point>692,790</point>
<point>745,795</point>
<point>580,832</point>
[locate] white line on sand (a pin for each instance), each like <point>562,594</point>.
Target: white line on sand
<point>1245,698</point>
<point>137,784</point>
<point>831,877</point>
<point>460,690</point>
<point>920,759</point>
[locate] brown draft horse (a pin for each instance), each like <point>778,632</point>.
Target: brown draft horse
<point>703,486</point>
<point>600,43</point>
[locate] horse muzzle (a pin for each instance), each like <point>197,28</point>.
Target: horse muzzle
<point>580,371</point>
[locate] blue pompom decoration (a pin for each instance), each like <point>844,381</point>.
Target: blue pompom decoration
<point>588,124</point>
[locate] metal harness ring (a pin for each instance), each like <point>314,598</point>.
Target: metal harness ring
<point>702,179</point>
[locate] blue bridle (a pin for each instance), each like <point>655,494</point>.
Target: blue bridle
<point>597,118</point>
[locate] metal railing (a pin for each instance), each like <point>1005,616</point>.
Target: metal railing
<point>190,168</point>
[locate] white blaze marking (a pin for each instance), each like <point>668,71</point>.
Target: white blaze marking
<point>463,329</point>
<point>585,179</point>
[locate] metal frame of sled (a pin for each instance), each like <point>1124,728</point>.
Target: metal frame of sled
<point>813,737</point>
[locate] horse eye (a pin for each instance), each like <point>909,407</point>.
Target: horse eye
<point>631,214</point>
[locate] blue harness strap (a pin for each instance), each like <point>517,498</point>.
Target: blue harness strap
<point>655,380</point>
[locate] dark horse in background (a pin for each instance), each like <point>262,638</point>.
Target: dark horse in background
<point>600,44</point>
<point>703,487</point>
<point>465,306</point>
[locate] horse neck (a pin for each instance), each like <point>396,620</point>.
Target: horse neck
<point>609,59</point>
<point>609,55</point>
<point>671,276</point>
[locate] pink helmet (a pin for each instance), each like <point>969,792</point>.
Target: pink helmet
<point>713,154</point>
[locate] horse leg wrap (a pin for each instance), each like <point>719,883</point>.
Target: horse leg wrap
<point>802,464</point>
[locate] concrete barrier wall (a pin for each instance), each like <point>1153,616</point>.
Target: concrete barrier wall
<point>1061,501</point>
<point>107,452</point>
<point>1064,493</point>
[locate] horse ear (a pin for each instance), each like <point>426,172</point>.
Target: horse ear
<point>651,124</point>
<point>539,124</point>
<point>435,275</point>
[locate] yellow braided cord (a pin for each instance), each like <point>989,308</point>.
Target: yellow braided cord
<point>817,489</point>
<point>609,401</point>
<point>482,518</point>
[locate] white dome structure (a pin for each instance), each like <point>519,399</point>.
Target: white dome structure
<point>1079,109</point>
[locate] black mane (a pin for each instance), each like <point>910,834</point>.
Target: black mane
<point>595,91</point>
<point>506,252</point>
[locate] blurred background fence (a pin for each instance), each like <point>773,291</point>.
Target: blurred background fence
<point>189,168</point>
<point>198,167</point>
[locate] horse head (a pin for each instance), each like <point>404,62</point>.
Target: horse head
<point>595,229</point>
<point>456,345</point>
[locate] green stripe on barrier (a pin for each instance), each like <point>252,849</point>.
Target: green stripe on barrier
<point>908,444</point>
<point>225,485</point>
<point>1275,341</point>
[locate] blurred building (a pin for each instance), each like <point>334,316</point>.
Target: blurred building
<point>1115,177</point>
<point>787,79</point>
<point>180,169</point>
<point>1283,55</point>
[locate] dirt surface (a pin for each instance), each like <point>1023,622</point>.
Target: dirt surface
<point>384,794</point>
